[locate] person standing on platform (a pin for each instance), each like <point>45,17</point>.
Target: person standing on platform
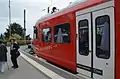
<point>3,56</point>
<point>13,51</point>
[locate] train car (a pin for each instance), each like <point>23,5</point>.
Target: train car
<point>84,38</point>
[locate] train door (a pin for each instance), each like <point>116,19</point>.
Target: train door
<point>84,44</point>
<point>96,44</point>
<point>103,44</point>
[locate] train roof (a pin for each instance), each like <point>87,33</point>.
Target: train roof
<point>73,5</point>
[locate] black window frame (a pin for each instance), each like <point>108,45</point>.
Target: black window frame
<point>43,37</point>
<point>103,56</point>
<point>69,33</point>
<point>36,32</point>
<point>83,52</point>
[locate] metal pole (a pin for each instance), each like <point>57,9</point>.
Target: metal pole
<point>10,16</point>
<point>25,26</point>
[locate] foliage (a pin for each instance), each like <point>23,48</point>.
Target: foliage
<point>16,36</point>
<point>21,42</point>
<point>17,33</point>
<point>15,29</point>
<point>1,37</point>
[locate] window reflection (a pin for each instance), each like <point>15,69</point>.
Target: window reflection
<point>62,33</point>
<point>46,35</point>
<point>35,36</point>
<point>103,37</point>
<point>83,38</point>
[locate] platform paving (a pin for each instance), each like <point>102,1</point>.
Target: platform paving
<point>25,71</point>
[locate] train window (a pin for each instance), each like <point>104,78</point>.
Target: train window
<point>46,35</point>
<point>103,37</point>
<point>35,36</point>
<point>83,37</point>
<point>62,33</point>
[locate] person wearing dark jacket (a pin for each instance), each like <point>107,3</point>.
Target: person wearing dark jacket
<point>3,56</point>
<point>13,51</point>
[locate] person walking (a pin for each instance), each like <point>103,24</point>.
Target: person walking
<point>3,56</point>
<point>13,51</point>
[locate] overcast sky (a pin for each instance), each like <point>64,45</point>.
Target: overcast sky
<point>34,10</point>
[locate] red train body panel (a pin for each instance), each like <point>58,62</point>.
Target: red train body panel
<point>65,54</point>
<point>117,24</point>
<point>59,53</point>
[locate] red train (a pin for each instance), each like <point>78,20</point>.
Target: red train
<point>84,38</point>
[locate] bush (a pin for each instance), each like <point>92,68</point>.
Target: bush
<point>21,42</point>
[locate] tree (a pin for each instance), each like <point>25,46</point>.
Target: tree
<point>2,37</point>
<point>15,29</point>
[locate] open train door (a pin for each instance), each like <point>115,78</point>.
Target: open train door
<point>96,43</point>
